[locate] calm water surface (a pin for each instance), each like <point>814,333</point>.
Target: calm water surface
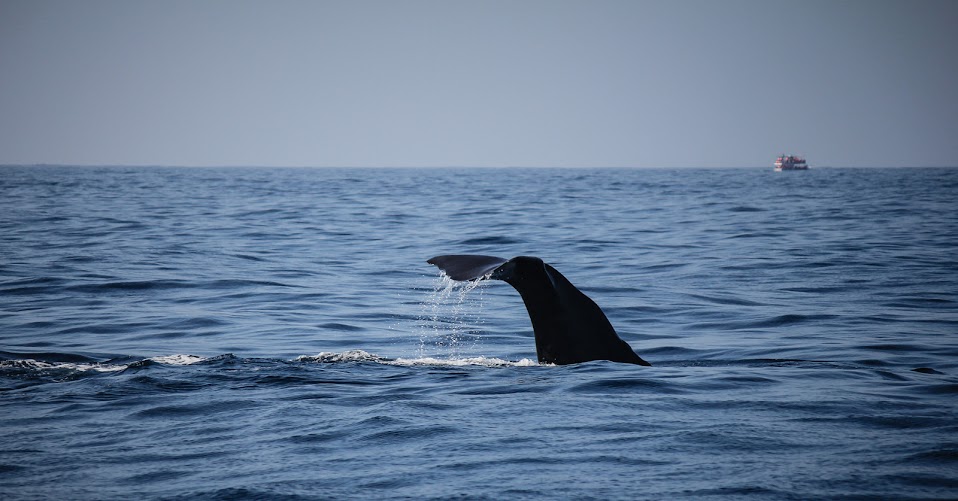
<point>171,333</point>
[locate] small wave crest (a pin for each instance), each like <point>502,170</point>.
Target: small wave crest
<point>30,364</point>
<point>60,371</point>
<point>178,359</point>
<point>346,356</point>
<point>41,366</point>
<point>363,356</point>
<point>461,362</point>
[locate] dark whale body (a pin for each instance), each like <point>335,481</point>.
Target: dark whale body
<point>569,327</point>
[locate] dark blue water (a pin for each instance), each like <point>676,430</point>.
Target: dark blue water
<point>276,333</point>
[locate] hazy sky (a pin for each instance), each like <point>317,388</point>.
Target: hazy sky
<point>478,83</point>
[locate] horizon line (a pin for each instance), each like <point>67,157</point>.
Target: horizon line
<point>624,167</point>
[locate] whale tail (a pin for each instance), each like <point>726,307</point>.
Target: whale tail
<point>569,327</point>
<point>465,267</point>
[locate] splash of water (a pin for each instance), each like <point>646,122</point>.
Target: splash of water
<point>450,319</point>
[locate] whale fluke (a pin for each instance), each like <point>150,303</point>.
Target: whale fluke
<point>569,327</point>
<point>467,267</point>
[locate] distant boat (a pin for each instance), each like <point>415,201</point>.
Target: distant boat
<point>790,162</point>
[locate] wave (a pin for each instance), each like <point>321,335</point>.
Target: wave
<point>63,367</point>
<point>363,356</point>
<point>178,359</point>
<point>460,362</point>
<point>45,366</point>
<point>38,365</point>
<point>19,366</point>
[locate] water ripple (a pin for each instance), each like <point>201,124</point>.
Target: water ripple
<point>274,333</point>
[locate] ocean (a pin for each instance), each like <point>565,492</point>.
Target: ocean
<point>276,333</point>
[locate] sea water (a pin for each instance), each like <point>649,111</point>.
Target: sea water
<point>220,333</point>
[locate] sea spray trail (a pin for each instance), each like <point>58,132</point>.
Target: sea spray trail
<point>277,334</point>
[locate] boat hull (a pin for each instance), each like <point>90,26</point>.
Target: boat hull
<point>790,162</point>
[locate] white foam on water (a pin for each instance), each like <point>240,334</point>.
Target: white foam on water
<point>346,356</point>
<point>53,366</point>
<point>363,356</point>
<point>177,359</point>
<point>38,365</point>
<point>462,362</point>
